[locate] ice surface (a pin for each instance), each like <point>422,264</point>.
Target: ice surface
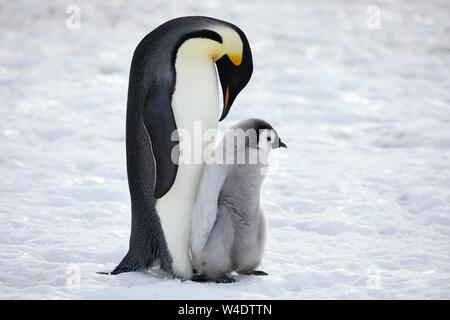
<point>359,208</point>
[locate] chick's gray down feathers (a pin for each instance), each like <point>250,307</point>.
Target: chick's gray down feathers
<point>228,227</point>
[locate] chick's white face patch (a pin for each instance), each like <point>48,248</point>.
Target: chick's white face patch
<point>267,140</point>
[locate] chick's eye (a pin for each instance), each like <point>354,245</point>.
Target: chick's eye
<point>269,138</point>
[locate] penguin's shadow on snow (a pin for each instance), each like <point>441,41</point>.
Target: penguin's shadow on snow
<point>236,277</point>
<point>198,278</point>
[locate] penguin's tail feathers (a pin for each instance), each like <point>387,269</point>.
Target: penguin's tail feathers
<point>133,262</point>
<point>145,254</point>
<point>127,265</point>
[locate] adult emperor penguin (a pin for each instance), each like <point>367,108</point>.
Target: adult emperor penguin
<point>173,88</point>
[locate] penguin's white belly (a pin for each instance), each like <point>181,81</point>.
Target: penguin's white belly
<point>195,104</point>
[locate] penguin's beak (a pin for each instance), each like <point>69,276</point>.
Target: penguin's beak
<point>234,74</point>
<point>281,144</point>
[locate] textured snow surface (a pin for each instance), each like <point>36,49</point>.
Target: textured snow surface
<point>359,207</point>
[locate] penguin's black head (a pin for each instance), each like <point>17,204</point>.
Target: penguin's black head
<point>264,137</point>
<point>229,50</point>
<point>234,72</point>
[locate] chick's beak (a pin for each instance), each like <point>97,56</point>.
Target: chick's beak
<point>281,144</point>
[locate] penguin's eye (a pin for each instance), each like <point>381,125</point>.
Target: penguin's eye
<point>269,138</point>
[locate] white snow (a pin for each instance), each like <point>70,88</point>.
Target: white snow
<point>359,208</point>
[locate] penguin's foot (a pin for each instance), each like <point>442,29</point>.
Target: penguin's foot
<point>225,279</point>
<point>203,278</point>
<point>199,278</point>
<point>254,273</point>
<point>259,273</point>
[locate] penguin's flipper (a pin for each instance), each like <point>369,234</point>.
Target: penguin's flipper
<point>162,129</point>
<point>204,213</point>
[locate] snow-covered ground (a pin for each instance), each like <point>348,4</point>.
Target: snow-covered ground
<point>359,208</point>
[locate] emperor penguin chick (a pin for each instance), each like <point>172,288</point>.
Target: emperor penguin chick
<point>228,227</point>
